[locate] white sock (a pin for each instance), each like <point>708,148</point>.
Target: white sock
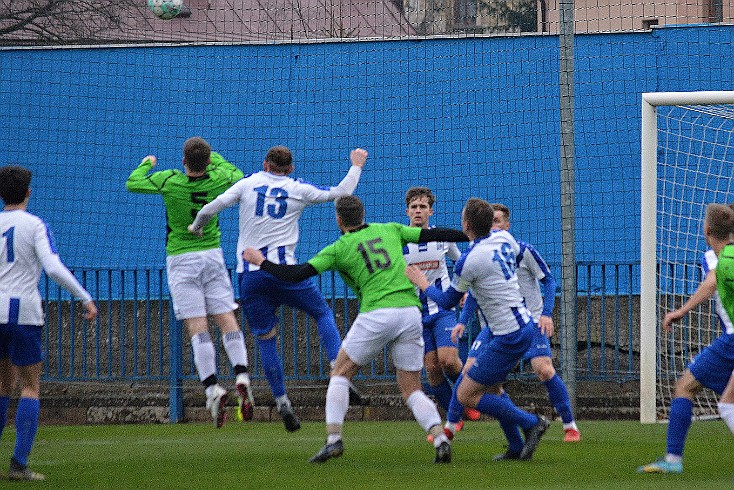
<point>424,410</point>
<point>210,389</point>
<point>570,425</point>
<point>204,356</point>
<point>282,400</point>
<point>451,426</point>
<point>234,345</point>
<point>726,410</point>
<point>673,458</point>
<point>337,400</point>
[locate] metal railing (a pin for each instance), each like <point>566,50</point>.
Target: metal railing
<point>136,337</point>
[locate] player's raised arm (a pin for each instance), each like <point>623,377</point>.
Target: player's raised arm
<point>140,181</point>
<point>358,157</point>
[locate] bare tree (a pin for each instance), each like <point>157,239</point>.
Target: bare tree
<point>59,21</point>
<point>510,15</point>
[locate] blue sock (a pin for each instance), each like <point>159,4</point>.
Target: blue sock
<point>329,336</point>
<point>558,396</point>
<point>4,402</point>
<point>26,425</point>
<point>443,394</point>
<point>512,432</point>
<point>272,366</point>
<point>681,411</point>
<point>455,410</point>
<point>502,408</point>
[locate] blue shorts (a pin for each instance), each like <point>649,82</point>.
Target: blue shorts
<point>437,330</point>
<point>23,344</point>
<point>262,293</point>
<point>496,358</point>
<point>713,366</point>
<point>539,346</point>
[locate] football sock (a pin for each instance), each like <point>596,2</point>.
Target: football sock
<point>424,410</point>
<point>329,336</point>
<point>234,345</point>
<point>204,356</point>
<point>455,410</point>
<point>272,366</point>
<point>4,403</point>
<point>558,396</point>
<point>26,425</point>
<point>442,393</point>
<point>502,408</point>
<point>337,400</point>
<point>681,411</point>
<point>512,432</point>
<point>726,410</point>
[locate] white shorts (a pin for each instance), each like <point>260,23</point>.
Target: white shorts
<point>199,284</point>
<point>373,330</point>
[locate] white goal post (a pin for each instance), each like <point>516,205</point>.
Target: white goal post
<point>688,196</point>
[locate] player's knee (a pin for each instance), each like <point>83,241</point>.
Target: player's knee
<point>543,368</point>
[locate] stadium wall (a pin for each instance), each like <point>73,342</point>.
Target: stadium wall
<point>467,116</point>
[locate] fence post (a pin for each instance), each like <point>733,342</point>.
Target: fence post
<point>176,375</point>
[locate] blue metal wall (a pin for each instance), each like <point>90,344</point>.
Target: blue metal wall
<point>483,111</point>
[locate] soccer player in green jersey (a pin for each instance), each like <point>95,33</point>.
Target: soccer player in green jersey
<point>197,276</point>
<point>725,288</point>
<point>369,258</point>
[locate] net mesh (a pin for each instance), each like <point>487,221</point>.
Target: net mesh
<point>695,164</point>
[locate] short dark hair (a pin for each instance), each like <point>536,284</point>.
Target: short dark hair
<point>417,192</point>
<point>720,221</point>
<point>501,207</point>
<point>196,153</point>
<point>280,157</point>
<point>351,210</point>
<point>14,183</point>
<point>479,214</point>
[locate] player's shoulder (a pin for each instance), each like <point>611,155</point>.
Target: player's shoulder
<point>306,183</point>
<point>21,217</point>
<point>709,260</point>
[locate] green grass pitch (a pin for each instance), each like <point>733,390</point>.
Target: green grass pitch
<point>377,455</point>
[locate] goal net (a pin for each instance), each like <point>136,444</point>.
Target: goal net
<point>687,163</point>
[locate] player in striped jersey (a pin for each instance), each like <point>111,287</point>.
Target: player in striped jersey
<point>369,258</point>
<point>271,204</point>
<point>713,366</point>
<point>488,270</point>
<point>532,270</point>
<point>197,276</point>
<point>441,358</point>
<point>26,246</point>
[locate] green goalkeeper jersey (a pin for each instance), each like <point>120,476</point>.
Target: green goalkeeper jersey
<point>725,279</point>
<point>370,260</point>
<point>184,196</point>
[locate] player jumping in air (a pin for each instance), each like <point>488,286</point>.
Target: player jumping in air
<point>271,203</point>
<point>197,276</point>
